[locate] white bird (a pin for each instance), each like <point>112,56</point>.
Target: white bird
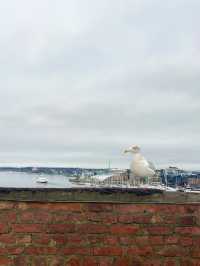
<point>140,167</point>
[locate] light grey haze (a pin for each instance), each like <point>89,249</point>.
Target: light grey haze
<point>82,80</point>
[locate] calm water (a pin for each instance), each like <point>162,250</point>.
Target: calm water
<point>25,180</point>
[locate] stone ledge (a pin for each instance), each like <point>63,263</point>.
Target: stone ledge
<point>115,195</point>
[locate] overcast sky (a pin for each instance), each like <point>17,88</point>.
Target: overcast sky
<point>82,80</point>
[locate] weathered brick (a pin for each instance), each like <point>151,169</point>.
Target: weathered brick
<point>173,251</point>
<point>140,251</point>
<point>156,240</point>
<point>60,228</point>
<point>90,261</point>
<point>90,228</point>
<point>107,251</point>
<point>15,250</point>
<point>39,261</point>
<point>36,216</point>
<point>126,240</point>
<point>76,251</point>
<point>73,262</point>
<point>31,250</point>
<point>187,220</point>
<point>23,239</point>
<point>110,240</point>
<point>186,241</point>
<point>171,239</point>
<point>196,252</point>
<point>99,207</point>
<point>189,262</point>
<point>125,229</point>
<point>105,261</point>
<point>124,261</point>
<point>188,230</point>
<point>27,228</point>
<point>21,260</point>
<point>5,261</point>
<point>160,230</point>
<point>6,205</point>
<point>152,262</point>
<point>74,207</point>
<point>3,228</point>
<point>55,261</point>
<point>7,239</point>
<point>170,262</point>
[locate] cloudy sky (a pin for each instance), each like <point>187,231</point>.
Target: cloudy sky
<point>82,80</point>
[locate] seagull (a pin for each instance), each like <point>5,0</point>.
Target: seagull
<point>140,167</point>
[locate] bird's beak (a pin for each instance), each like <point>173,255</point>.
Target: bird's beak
<point>125,151</point>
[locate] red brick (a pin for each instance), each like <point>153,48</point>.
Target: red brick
<point>125,229</point>
<point>42,239</point>
<point>156,240</point>
<point>36,217</point>
<point>3,228</point>
<point>142,240</point>
<point>171,240</point>
<point>15,250</point>
<point>7,239</point>
<point>186,241</point>
<point>76,251</point>
<point>40,250</point>
<point>99,207</point>
<point>55,261</point>
<point>95,239</point>
<point>21,261</point>
<point>73,262</point>
<point>125,219</point>
<point>169,262</point>
<point>135,208</point>
<point>189,262</point>
<point>4,261</point>
<point>39,261</point>
<point>196,252</point>
<point>107,251</point>
<point>27,228</point>
<point>141,219</point>
<point>76,239</point>
<point>58,239</point>
<point>23,239</point>
<point>126,240</point>
<point>9,216</point>
<point>66,217</point>
<point>160,230</point>
<point>140,251</point>
<point>90,261</point>
<point>92,228</point>
<point>187,220</point>
<point>173,251</point>
<point>111,240</point>
<point>61,228</point>
<point>105,261</point>
<point>3,251</point>
<point>188,230</point>
<point>122,262</point>
<point>152,262</point>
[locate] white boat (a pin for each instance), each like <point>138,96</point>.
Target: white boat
<point>42,180</point>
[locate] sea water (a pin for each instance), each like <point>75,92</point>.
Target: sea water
<point>28,180</point>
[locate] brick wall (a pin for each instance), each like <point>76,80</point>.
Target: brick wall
<point>90,234</point>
